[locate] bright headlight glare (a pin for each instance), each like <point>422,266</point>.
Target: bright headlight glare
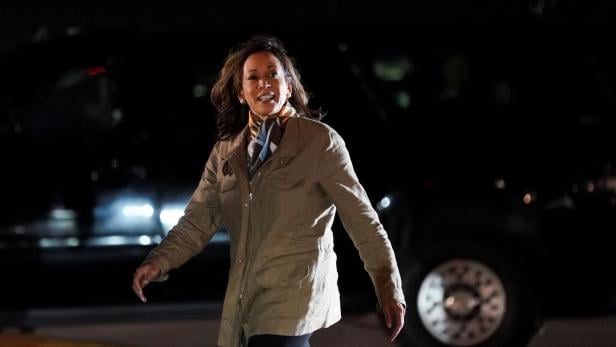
<point>142,210</point>
<point>169,216</point>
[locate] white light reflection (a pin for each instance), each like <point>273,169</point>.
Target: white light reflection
<point>60,242</point>
<point>142,210</point>
<point>125,213</point>
<point>114,240</point>
<point>384,203</point>
<point>145,240</point>
<point>170,215</point>
<point>122,240</point>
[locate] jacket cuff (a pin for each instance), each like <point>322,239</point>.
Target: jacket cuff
<point>162,265</point>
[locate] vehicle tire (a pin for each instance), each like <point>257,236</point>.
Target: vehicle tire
<point>466,293</point>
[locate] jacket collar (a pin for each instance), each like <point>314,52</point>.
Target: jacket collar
<point>288,144</point>
<point>236,151</point>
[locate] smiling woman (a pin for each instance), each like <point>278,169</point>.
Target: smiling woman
<point>275,179</point>
<point>510,141</point>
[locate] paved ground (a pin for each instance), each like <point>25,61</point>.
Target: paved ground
<point>592,332</point>
<point>353,331</point>
<point>65,328</point>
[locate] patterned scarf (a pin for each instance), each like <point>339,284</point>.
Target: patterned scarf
<point>265,137</point>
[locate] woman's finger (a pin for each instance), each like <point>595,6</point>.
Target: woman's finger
<point>387,314</point>
<point>399,318</point>
<point>398,312</point>
<point>139,282</point>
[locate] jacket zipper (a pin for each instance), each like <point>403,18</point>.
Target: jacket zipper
<point>247,255</point>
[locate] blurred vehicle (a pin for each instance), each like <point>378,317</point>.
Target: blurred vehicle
<point>489,158</point>
<point>103,137</point>
<point>498,154</point>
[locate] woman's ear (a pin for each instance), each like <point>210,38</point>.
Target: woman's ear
<point>240,97</point>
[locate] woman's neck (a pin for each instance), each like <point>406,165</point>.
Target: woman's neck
<point>255,120</point>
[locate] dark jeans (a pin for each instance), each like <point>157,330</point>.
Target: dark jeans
<point>279,341</point>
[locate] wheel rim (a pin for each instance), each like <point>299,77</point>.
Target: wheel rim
<point>461,302</point>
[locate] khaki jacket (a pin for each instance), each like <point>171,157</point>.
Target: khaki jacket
<point>283,277</point>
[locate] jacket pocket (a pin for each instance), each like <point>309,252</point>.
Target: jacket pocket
<point>283,275</point>
<point>283,290</point>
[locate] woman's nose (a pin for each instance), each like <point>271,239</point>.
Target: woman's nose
<point>264,83</point>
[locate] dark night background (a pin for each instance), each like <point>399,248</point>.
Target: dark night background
<point>497,119</point>
<point>21,21</point>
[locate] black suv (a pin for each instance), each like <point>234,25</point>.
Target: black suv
<point>104,137</point>
<point>490,155</point>
<point>498,151</point>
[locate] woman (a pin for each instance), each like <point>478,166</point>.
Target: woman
<point>275,178</point>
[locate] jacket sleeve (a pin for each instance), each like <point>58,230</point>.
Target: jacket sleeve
<point>196,227</point>
<point>360,220</point>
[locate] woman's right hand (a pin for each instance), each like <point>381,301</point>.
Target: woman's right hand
<point>142,276</point>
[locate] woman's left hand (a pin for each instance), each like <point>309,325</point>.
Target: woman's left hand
<point>394,317</point>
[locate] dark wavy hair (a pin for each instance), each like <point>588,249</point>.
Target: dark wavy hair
<point>232,116</point>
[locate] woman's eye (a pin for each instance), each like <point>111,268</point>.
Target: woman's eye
<point>274,74</point>
<point>251,77</point>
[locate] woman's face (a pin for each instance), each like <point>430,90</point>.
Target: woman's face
<point>264,84</point>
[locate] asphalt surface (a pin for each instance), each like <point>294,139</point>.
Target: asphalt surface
<point>590,332</point>
<point>195,325</point>
<point>353,330</point>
